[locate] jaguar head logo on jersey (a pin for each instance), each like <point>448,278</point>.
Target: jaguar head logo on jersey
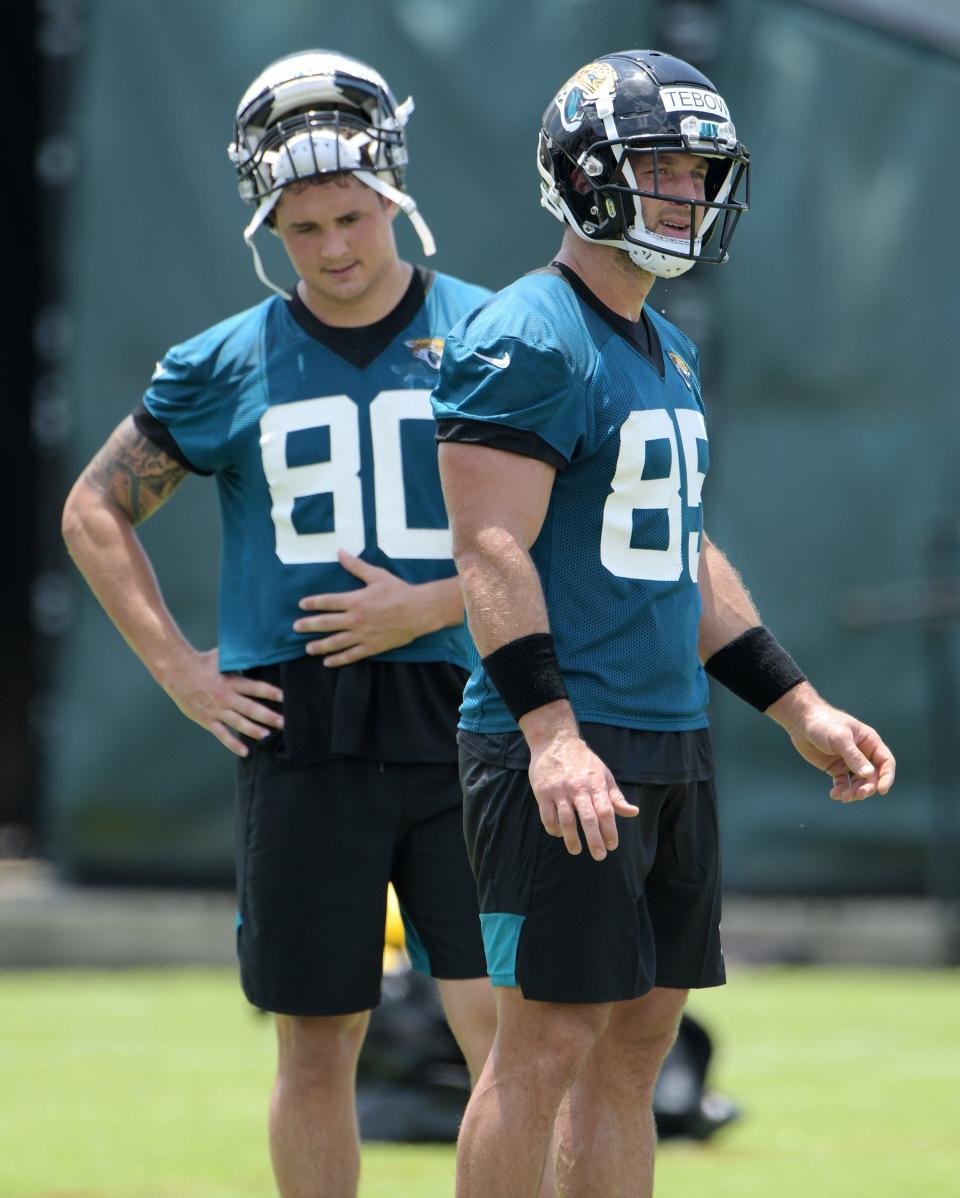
<point>313,113</point>
<point>621,118</point>
<point>682,368</point>
<point>593,84</point>
<point>427,349</point>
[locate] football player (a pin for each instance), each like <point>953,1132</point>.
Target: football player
<point>341,656</point>
<point>573,453</point>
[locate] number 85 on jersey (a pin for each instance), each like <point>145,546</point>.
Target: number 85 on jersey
<point>632,492</point>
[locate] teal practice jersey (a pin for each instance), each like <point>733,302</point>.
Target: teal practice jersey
<point>544,369</point>
<point>320,439</point>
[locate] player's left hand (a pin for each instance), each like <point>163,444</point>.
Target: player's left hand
<point>382,614</point>
<point>851,752</point>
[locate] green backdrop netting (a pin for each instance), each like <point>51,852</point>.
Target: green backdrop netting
<point>830,376</point>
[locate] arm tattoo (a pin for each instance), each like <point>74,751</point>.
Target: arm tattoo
<point>134,474</point>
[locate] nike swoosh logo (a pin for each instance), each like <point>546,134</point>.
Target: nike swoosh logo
<point>501,363</point>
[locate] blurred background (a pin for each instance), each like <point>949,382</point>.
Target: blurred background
<point>829,353</point>
<point>829,360</point>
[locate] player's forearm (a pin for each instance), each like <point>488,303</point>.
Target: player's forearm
<point>505,603</point>
<point>727,608</point>
<point>103,544</point>
<point>501,588</point>
<point>740,653</point>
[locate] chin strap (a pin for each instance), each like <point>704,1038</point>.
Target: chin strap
<point>400,198</point>
<point>263,211</point>
<point>404,202</point>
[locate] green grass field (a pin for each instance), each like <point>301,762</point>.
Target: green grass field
<point>153,1084</point>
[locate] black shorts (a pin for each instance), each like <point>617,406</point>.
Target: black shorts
<point>316,846</point>
<point>571,929</point>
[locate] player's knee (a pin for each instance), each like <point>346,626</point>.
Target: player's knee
<point>319,1050</point>
<point>653,1052</point>
<point>635,1059</point>
<point>557,1041</point>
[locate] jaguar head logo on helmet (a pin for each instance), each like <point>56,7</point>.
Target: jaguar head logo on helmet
<point>318,113</point>
<point>605,141</point>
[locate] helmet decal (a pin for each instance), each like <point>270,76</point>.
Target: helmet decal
<point>695,99</point>
<point>697,130</point>
<point>594,84</point>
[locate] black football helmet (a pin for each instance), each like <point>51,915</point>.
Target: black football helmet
<point>641,101</point>
<point>318,112</point>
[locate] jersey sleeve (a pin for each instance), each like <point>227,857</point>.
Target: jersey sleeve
<point>518,395</point>
<point>183,410</point>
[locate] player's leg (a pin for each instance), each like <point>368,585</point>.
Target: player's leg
<point>314,1140</point>
<point>565,943</point>
<point>679,901</point>
<point>443,929</point>
<point>472,1015</point>
<point>506,1132</point>
<point>605,1126</point>
<point>314,851</point>
<point>437,893</point>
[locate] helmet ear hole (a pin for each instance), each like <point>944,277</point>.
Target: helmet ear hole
<point>579,181</point>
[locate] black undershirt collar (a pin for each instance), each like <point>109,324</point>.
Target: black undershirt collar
<point>641,334</point>
<point>361,345</point>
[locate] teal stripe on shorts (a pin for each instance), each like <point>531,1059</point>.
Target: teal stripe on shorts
<point>501,934</point>
<point>419,959</point>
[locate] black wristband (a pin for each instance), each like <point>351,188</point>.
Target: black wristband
<point>526,673</point>
<point>756,667</point>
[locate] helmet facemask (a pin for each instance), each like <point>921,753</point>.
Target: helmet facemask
<point>670,256</point>
<point>317,142</point>
<point>610,212</point>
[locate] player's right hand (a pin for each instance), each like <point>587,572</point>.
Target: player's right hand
<point>573,786</point>
<point>223,703</point>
